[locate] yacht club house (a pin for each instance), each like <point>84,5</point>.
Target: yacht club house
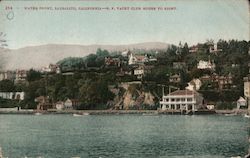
<point>182,100</point>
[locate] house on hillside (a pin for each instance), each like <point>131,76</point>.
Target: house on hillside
<point>213,48</point>
<point>21,76</point>
<point>110,61</point>
<point>179,65</point>
<point>125,70</point>
<point>193,49</point>
<point>176,78</point>
<point>195,84</point>
<point>206,65</point>
<point>7,75</point>
<point>221,82</point>
<point>139,72</point>
<point>137,59</point>
<point>51,68</point>
<point>225,82</point>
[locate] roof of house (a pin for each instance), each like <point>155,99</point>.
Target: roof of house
<point>241,99</point>
<point>140,57</point>
<point>183,92</point>
<point>175,75</point>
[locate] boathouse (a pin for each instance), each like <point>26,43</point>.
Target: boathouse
<point>182,100</point>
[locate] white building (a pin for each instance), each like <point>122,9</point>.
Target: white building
<point>139,72</point>
<point>21,76</point>
<point>71,104</point>
<point>51,69</point>
<point>125,53</point>
<point>247,87</point>
<point>12,95</point>
<point>7,75</point>
<point>182,100</point>
<point>210,107</point>
<point>137,59</point>
<point>241,102</point>
<point>205,65</point>
<point>214,49</point>
<point>195,84</point>
<point>60,105</point>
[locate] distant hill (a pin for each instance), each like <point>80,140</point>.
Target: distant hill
<point>38,56</point>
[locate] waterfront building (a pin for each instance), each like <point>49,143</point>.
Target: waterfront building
<point>210,107</point>
<point>182,100</point>
<point>59,105</point>
<point>241,103</point>
<point>43,103</point>
<point>71,104</point>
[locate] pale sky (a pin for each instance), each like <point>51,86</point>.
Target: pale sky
<point>193,21</point>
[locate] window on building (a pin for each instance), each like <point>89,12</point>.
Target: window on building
<point>189,99</point>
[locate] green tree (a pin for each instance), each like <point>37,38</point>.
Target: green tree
<point>33,75</point>
<point>7,86</point>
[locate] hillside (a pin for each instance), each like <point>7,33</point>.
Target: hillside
<point>38,56</point>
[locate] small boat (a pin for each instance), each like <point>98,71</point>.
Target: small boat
<point>232,114</point>
<point>247,116</point>
<point>83,114</point>
<point>37,113</point>
<point>77,115</point>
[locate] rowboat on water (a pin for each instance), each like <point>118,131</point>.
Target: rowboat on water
<point>37,113</point>
<point>233,114</point>
<point>83,114</point>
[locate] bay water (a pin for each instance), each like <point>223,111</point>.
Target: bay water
<point>128,136</point>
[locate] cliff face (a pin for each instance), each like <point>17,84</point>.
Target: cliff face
<point>132,96</point>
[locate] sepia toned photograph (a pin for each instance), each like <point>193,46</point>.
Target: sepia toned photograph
<point>124,79</point>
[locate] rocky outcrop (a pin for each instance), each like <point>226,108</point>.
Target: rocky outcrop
<point>132,96</point>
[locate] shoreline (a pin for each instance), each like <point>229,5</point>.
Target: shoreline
<point>117,112</point>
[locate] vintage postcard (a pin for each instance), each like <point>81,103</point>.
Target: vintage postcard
<point>124,78</point>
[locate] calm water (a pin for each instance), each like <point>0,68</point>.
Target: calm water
<point>123,136</point>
